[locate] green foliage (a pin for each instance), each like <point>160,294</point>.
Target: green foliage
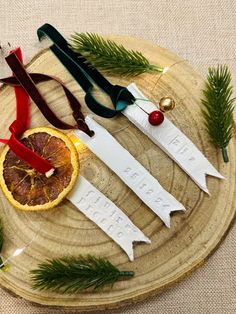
<point>1,239</point>
<point>218,107</point>
<point>72,275</point>
<point>110,57</point>
<point>1,235</point>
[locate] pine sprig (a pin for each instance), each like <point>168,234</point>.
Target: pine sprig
<point>1,241</point>
<point>73,275</point>
<point>1,235</point>
<point>110,57</point>
<point>218,107</point>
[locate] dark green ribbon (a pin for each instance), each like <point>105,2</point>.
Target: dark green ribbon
<point>86,75</point>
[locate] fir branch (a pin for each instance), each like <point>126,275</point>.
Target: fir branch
<point>1,241</point>
<point>110,57</point>
<point>218,107</point>
<point>73,275</point>
<point>1,235</point>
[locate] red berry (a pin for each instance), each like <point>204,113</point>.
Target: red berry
<point>156,117</point>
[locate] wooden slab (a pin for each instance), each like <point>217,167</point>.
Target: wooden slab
<point>174,252</point>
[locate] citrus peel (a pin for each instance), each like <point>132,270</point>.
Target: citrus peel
<point>27,189</point>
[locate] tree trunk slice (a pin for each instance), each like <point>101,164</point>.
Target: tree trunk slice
<point>174,252</point>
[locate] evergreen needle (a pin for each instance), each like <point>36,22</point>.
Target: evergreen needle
<point>218,107</point>
<point>1,235</point>
<point>1,240</point>
<point>73,275</point>
<point>110,57</point>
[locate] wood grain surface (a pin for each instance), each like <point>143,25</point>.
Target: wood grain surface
<point>174,252</point>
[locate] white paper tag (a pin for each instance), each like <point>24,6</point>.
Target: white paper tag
<point>98,208</point>
<point>171,140</point>
<point>133,174</point>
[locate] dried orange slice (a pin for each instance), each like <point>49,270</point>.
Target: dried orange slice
<point>27,189</point>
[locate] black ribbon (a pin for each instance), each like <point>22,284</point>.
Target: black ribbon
<point>86,75</point>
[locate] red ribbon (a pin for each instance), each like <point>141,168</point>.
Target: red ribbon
<point>22,103</point>
<point>20,125</point>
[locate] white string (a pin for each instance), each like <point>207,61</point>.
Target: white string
<point>20,250</point>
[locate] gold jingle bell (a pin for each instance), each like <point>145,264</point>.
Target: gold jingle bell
<point>166,104</point>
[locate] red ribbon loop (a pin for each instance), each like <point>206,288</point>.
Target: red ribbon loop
<point>21,124</point>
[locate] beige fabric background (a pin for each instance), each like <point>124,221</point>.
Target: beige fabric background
<point>204,32</point>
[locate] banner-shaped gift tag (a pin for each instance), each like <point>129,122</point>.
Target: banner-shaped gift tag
<point>84,196</point>
<point>166,135</point>
<point>171,140</point>
<point>134,175</point>
<point>98,208</point>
